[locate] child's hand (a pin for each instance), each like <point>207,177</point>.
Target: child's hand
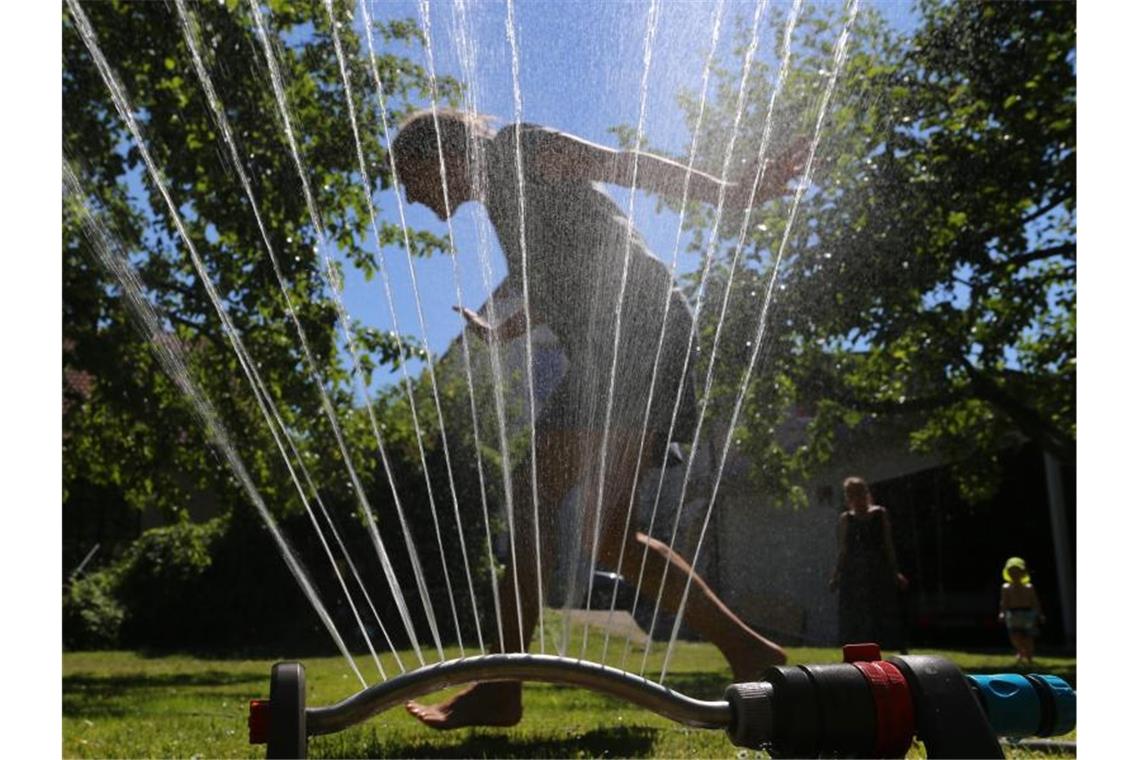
<point>778,172</point>
<point>476,324</point>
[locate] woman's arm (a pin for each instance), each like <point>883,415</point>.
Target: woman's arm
<point>841,555</point>
<point>565,157</point>
<point>889,548</point>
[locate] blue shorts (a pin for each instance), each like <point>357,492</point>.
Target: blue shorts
<point>1022,620</point>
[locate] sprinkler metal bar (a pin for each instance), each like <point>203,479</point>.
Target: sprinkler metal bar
<point>521,667</point>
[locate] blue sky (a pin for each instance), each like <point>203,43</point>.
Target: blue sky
<point>580,70</point>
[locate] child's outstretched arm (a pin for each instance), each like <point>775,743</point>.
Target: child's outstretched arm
<point>567,157</point>
<point>510,328</point>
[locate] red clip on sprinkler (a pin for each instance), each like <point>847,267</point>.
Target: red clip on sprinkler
<point>258,721</point>
<point>894,713</point>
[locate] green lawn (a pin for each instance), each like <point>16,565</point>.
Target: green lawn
<point>124,704</point>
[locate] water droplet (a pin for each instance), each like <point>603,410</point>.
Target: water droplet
<point>297,258</point>
<point>827,255</point>
<point>288,239</point>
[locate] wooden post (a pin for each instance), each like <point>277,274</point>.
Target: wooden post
<point>1059,522</point>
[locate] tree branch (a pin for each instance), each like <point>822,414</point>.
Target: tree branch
<point>1019,260</point>
<point>828,386</point>
<point>1025,417</point>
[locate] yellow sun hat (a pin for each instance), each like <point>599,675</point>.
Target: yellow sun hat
<point>1013,562</point>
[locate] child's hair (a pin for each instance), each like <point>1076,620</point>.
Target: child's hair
<point>417,137</point>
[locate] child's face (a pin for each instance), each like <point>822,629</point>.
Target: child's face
<point>422,184</point>
<point>1017,575</point>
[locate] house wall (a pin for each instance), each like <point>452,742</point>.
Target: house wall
<point>775,562</point>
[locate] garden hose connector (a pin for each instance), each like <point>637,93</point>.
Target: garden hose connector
<point>870,707</point>
<point>1026,705</point>
<point>751,714</point>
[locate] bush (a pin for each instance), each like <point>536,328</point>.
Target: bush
<point>161,583</point>
<point>219,585</point>
<point>222,586</point>
<point>92,615</point>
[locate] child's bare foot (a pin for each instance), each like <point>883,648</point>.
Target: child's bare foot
<point>494,703</point>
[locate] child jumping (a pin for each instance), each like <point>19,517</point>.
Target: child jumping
<point>1020,609</point>
<point>578,247</point>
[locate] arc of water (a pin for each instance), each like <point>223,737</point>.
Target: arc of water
<point>647,59</point>
<point>365,181</point>
<point>425,23</point>
<point>518,112</point>
<point>115,260</point>
<point>750,52</point>
<point>839,58</point>
<point>342,316</point>
<point>718,15</point>
<point>191,36</point>
<point>122,106</point>
<point>793,16</point>
<point>475,154</point>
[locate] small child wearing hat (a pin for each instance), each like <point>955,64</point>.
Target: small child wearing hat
<point>1020,609</point>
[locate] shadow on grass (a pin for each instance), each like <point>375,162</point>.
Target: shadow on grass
<point>622,741</point>
<point>699,685</point>
<point>91,695</point>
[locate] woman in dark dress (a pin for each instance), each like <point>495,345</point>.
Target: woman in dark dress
<point>866,572</point>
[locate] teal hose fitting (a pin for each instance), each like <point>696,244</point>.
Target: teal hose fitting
<point>1029,705</point>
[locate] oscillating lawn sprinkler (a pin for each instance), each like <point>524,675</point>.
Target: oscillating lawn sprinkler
<point>864,707</point>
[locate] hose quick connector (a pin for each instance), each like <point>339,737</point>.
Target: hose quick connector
<point>1029,705</point>
<point>751,705</point>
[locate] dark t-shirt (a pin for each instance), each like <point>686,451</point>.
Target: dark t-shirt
<point>576,242</point>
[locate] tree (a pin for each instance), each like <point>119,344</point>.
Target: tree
<point>929,279</point>
<point>127,429</point>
